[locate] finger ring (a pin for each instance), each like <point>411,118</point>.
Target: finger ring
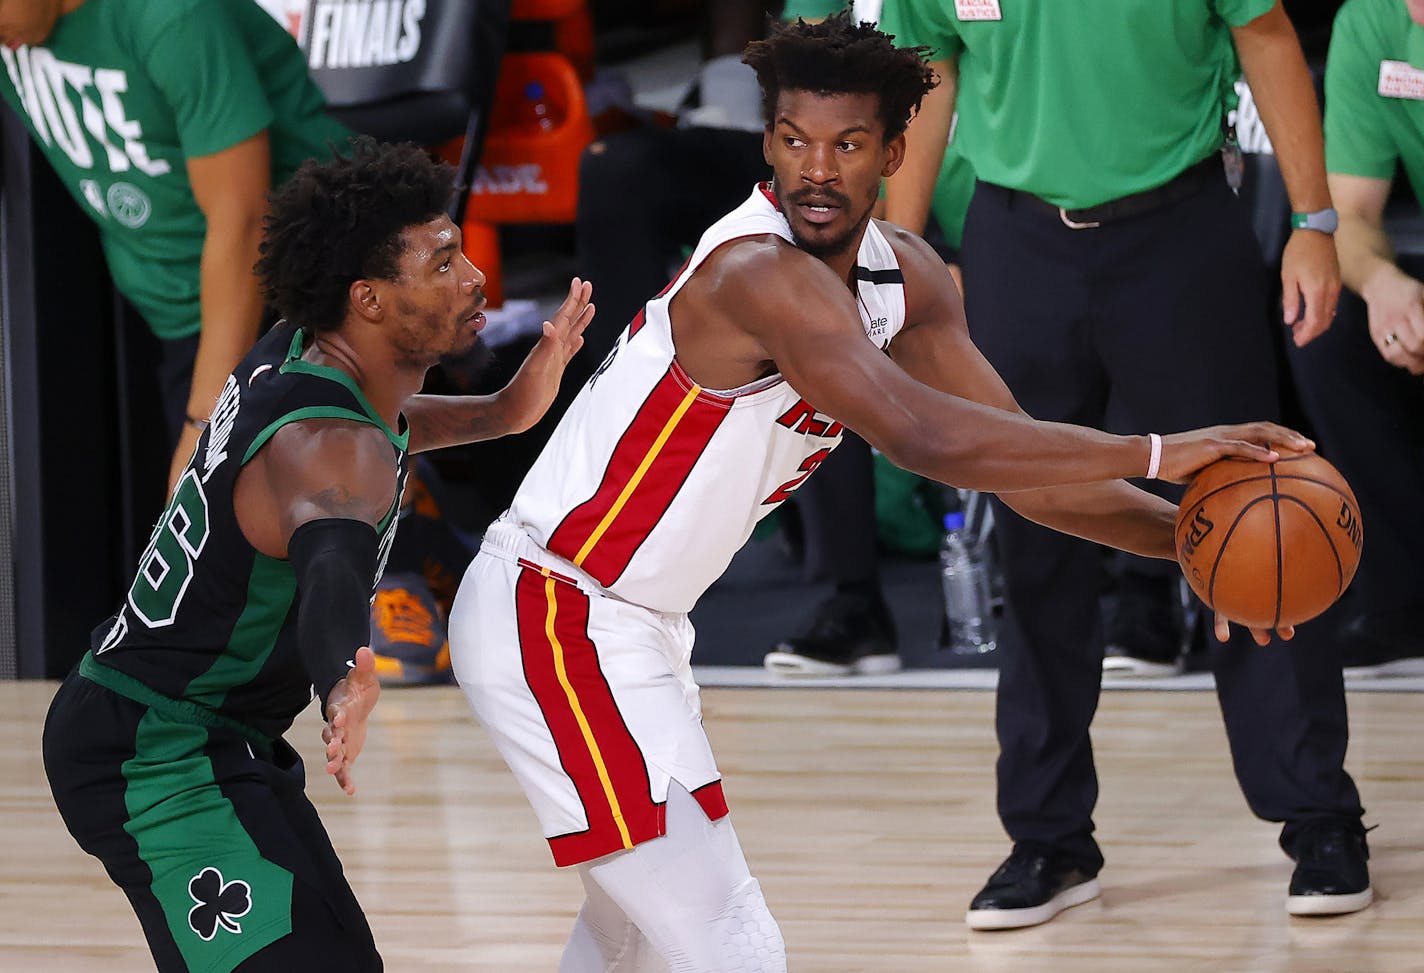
<point>1390,339</point>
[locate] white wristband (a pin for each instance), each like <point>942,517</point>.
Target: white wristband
<point>1155,460</point>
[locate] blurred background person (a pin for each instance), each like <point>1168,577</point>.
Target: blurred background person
<point>169,123</point>
<point>1362,383</point>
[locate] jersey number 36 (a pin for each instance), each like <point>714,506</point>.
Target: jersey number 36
<point>167,564</point>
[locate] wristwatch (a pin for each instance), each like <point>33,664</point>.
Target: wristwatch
<point>1323,220</point>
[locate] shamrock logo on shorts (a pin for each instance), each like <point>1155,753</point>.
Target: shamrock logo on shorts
<point>219,903</point>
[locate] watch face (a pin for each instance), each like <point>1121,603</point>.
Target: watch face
<point>1323,220</point>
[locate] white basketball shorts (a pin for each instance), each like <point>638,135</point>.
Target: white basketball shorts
<point>589,699</point>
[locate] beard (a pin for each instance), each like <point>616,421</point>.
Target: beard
<point>823,245</point>
<point>826,247</point>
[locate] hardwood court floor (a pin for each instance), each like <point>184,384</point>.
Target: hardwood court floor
<point>868,816</point>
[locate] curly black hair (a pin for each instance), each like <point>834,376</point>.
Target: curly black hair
<point>340,221</point>
<point>840,56</point>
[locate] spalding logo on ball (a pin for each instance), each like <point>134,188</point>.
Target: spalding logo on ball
<point>1269,544</point>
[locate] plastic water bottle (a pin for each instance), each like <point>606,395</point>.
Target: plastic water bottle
<point>966,591</point>
<point>538,114</point>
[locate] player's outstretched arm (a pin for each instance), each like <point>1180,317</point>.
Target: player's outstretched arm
<point>808,325</point>
<point>314,495</point>
<point>452,420</point>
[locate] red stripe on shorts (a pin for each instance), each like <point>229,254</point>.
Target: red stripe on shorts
<point>595,747</point>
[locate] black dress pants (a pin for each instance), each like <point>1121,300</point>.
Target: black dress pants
<point>1368,419</point>
<point>1155,323</point>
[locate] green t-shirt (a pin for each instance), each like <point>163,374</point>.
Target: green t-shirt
<point>1374,92</point>
<point>1082,102</point>
<point>811,9</point>
<point>124,91</point>
<point>952,192</point>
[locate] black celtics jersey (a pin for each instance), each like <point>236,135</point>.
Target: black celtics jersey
<point>209,620</point>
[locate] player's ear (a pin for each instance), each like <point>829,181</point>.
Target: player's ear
<point>365,301</point>
<point>895,155</point>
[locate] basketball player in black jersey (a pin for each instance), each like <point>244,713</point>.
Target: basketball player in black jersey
<point>164,747</point>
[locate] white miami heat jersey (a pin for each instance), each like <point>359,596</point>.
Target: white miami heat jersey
<point>651,483</point>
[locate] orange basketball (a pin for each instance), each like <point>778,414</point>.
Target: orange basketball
<point>1269,544</point>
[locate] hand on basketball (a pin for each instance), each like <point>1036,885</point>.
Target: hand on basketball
<point>347,708</point>
<point>1261,635</point>
<point>1184,453</point>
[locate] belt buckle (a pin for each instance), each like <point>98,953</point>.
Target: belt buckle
<point>1074,224</point>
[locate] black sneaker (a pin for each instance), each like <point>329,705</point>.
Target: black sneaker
<point>1382,645</point>
<point>1331,877</point>
<point>1033,885</point>
<point>849,634</point>
<point>1142,628</point>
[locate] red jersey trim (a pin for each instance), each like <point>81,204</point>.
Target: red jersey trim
<point>713,801</point>
<point>641,317</point>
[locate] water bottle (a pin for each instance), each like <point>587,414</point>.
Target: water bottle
<point>966,591</point>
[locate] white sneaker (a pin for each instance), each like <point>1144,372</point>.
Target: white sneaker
<point>1119,664</point>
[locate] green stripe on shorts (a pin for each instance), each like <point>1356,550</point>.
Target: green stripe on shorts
<point>222,899</point>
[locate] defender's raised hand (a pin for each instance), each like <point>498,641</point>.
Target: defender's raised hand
<point>563,333</point>
<point>532,390</point>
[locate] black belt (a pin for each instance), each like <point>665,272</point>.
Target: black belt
<point>1188,182</point>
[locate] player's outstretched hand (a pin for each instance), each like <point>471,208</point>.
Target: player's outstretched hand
<point>347,708</point>
<point>563,333</point>
<point>1261,635</point>
<point>1184,453</point>
<point>532,390</point>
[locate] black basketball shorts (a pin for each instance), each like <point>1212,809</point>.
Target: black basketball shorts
<point>209,835</point>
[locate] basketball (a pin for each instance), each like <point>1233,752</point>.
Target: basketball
<point>1269,544</point>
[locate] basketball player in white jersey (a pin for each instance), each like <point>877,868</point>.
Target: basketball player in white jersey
<point>796,316</point>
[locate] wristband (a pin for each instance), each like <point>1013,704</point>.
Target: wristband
<point>1154,462</point>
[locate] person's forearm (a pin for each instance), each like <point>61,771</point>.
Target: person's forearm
<point>994,450</point>
<point>231,302</point>
<point>1285,96</point>
<point>908,193</point>
<point>437,421</point>
<point>1366,255</point>
<point>1115,513</point>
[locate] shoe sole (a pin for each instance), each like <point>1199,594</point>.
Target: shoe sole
<point>1329,905</point>
<point>791,664</point>
<point>990,919</point>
